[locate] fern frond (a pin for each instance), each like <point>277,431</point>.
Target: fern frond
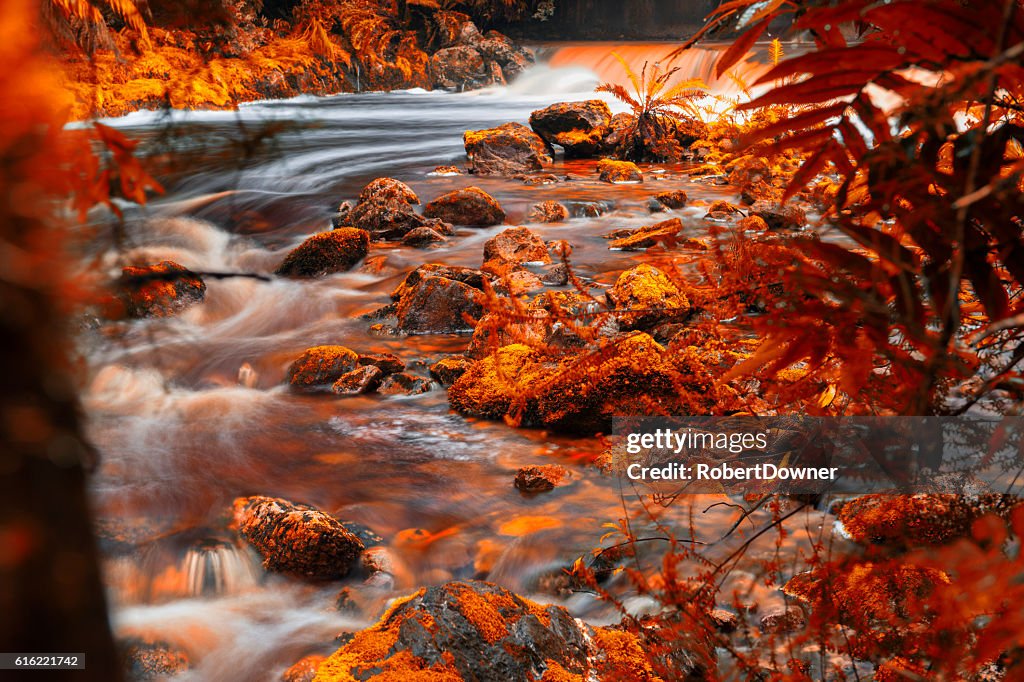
<point>775,52</point>
<point>618,92</point>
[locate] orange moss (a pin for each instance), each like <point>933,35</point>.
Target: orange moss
<point>619,171</point>
<point>623,657</point>
<point>556,673</point>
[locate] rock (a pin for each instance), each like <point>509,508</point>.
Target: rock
<point>158,290</point>
<point>404,383</point>
<point>724,621</point>
<point>491,385</point>
<point>468,276</point>
<point>326,253</point>
<point>548,212</point>
<point>341,218</point>
<point>447,370</point>
<point>539,179</point>
<point>468,206</point>
<point>361,380</point>
<point>646,237</point>
<point>778,217</point>
<point>513,247</point>
<point>422,237</point>
<point>753,223</point>
<point>619,172</point>
<point>460,67</point>
<point>535,479</point>
<point>378,560</point>
<point>645,297</point>
<point>304,670</point>
<point>438,305</point>
<point>479,631</point>
<point>578,127</point>
<point>151,660</point>
<point>320,366</point>
<point>387,362</point>
<point>791,619</point>
<point>721,210</point>
<point>509,149</point>
<point>365,534</point>
<point>446,171</point>
<point>555,275</point>
<point>501,51</point>
<point>674,200</point>
<point>295,538</point>
<point>386,209</point>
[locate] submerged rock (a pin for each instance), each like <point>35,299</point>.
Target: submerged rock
<point>619,172</point>
<point>158,290</point>
<point>548,212</point>
<point>578,127</point>
<point>321,366</point>
<point>510,149</point>
<point>295,538</point>
<point>469,206</point>
<point>479,631</point>
<point>535,479</point>
<point>326,253</point>
<point>645,297</point>
<point>512,248</point>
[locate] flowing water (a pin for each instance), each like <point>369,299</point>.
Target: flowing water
<point>189,412</point>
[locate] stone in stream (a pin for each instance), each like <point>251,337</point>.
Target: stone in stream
<point>320,366</point>
<point>513,247</point>
<point>578,127</point>
<point>386,210</point>
<point>784,620</point>
<point>780,217</point>
<point>459,67</point>
<point>479,631</point>
<point>438,305</point>
<point>361,380</point>
<point>645,237</point>
<point>645,297</point>
<point>548,212</point>
<point>422,237</point>
<point>468,276</point>
<point>510,149</point>
<point>541,478</point>
<point>468,206</point>
<point>404,383</point>
<point>673,200</point>
<point>295,538</point>
<point>387,362</point>
<point>151,660</point>
<point>325,253</point>
<point>158,290</point>
<point>447,370</point>
<point>304,670</point>
<point>619,172</point>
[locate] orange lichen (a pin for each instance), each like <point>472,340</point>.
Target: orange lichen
<point>484,613</point>
<point>556,673</point>
<point>622,657</point>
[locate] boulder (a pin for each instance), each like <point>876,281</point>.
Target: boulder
<point>320,366</point>
<point>326,253</point>
<point>468,206</point>
<point>499,50</point>
<point>447,370</point>
<point>619,129</point>
<point>673,200</point>
<point>536,479</point>
<point>403,383</point>
<point>492,385</point>
<point>479,631</point>
<point>784,620</point>
<point>645,297</point>
<point>438,305</point>
<point>386,209</point>
<point>645,237</point>
<point>158,290</point>
<point>548,212</point>
<point>296,539</point>
<point>510,149</point>
<point>304,670</point>
<point>513,247</point>
<point>780,217</point>
<point>578,127</point>
<point>753,223</point>
<point>460,67</point>
<point>619,172</point>
<point>361,380</point>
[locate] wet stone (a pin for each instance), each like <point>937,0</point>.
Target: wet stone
<point>541,478</point>
<point>361,380</point>
<point>404,383</point>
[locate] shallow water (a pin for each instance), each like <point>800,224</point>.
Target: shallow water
<point>189,413</point>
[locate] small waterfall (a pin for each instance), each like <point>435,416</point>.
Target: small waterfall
<point>215,567</point>
<point>696,62</point>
